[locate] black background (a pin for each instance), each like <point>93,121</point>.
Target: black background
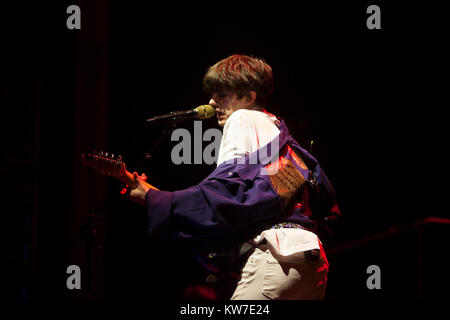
<point>350,89</point>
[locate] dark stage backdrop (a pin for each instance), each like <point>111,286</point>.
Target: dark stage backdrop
<point>336,83</point>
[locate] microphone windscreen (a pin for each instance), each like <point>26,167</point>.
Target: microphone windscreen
<point>205,111</point>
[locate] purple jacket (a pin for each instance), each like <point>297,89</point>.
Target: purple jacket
<point>244,196</point>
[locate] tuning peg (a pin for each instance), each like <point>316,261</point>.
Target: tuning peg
<point>100,153</point>
<point>119,158</point>
<point>94,154</point>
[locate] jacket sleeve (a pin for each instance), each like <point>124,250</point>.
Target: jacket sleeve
<point>216,205</point>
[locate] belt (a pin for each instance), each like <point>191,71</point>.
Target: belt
<point>288,225</point>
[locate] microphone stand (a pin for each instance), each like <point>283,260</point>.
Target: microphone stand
<point>88,229</point>
<point>166,133</point>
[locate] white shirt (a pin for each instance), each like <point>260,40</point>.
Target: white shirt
<point>246,131</point>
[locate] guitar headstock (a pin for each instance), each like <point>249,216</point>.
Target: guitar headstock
<point>105,163</point>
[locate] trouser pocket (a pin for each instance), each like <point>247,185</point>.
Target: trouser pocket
<point>302,280</point>
<point>281,280</point>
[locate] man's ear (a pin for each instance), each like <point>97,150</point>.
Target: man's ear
<point>250,97</point>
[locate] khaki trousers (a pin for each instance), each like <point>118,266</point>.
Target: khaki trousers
<point>265,277</point>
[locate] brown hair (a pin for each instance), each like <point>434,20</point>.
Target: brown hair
<point>241,74</point>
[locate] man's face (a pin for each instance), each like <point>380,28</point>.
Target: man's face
<point>226,102</point>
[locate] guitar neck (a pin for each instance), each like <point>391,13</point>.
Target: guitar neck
<point>109,165</point>
<point>128,179</point>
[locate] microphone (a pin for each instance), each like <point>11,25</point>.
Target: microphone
<point>202,112</point>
